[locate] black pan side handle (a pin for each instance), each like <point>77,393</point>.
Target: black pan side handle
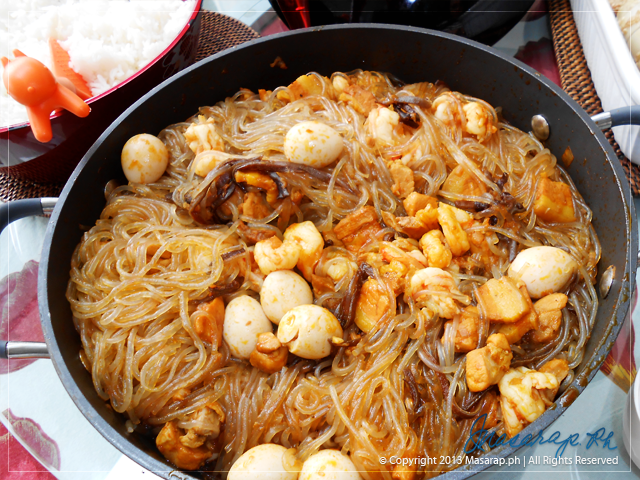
<point>618,116</point>
<point>12,211</point>
<point>23,349</point>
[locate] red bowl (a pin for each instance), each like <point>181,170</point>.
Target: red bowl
<point>25,158</point>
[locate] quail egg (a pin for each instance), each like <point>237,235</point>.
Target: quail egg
<point>281,291</point>
<point>312,143</point>
<point>244,321</point>
<point>544,270</point>
<point>307,331</point>
<point>144,158</point>
<point>263,462</point>
<point>329,464</point>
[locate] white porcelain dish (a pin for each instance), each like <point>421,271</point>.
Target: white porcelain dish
<point>614,73</point>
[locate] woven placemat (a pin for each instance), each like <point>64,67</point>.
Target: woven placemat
<point>218,32</point>
<point>576,77</point>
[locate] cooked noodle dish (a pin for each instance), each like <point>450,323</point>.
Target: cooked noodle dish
<point>316,279</point>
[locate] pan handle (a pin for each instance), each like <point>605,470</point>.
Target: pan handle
<point>12,211</point>
<point>23,350</point>
<point>618,116</point>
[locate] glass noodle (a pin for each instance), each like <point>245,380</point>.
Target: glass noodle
<point>139,274</point>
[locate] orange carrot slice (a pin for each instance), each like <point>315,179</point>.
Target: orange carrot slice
<point>61,68</point>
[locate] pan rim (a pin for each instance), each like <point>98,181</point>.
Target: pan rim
<point>164,469</point>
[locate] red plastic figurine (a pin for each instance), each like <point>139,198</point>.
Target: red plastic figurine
<point>33,85</point>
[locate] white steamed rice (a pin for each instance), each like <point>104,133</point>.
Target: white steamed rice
<point>108,41</point>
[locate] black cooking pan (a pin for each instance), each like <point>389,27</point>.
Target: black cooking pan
<point>411,54</point>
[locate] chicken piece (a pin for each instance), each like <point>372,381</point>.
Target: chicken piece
<point>203,136</point>
<point>382,124</point>
<point>358,228</point>
<point>261,181</point>
<point>411,226</point>
<point>373,303</point>
<point>331,239</point>
<point>207,162</point>
<point>192,439</point>
<point>205,425</point>
<point>296,195</point>
<point>417,201</point>
<point>436,289</point>
<point>207,421</point>
<point>255,205</point>
<point>321,285</point>
<point>559,368</point>
<point>395,275</point>
<point>360,99</point>
<point>208,326</point>
<point>269,355</point>
<point>336,271</point>
<point>456,237</point>
<point>268,343</point>
<point>264,94</point>
<point>272,255</point>
<point>308,85</point>
<point>372,258</point>
<point>515,331</point>
<point>406,245</point>
<point>479,248</point>
<point>269,362</point>
<point>466,337</point>
<point>549,310</point>
<point>339,84</point>
<point>487,365</point>
<point>311,244</point>
<point>461,181</point>
<point>554,202</point>
<point>502,300</point>
<point>245,94</point>
<point>337,265</point>
<point>182,456</point>
<point>522,397</point>
<point>402,176</point>
<point>436,250</point>
<point>478,122</point>
<point>404,252</point>
<point>389,219</point>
